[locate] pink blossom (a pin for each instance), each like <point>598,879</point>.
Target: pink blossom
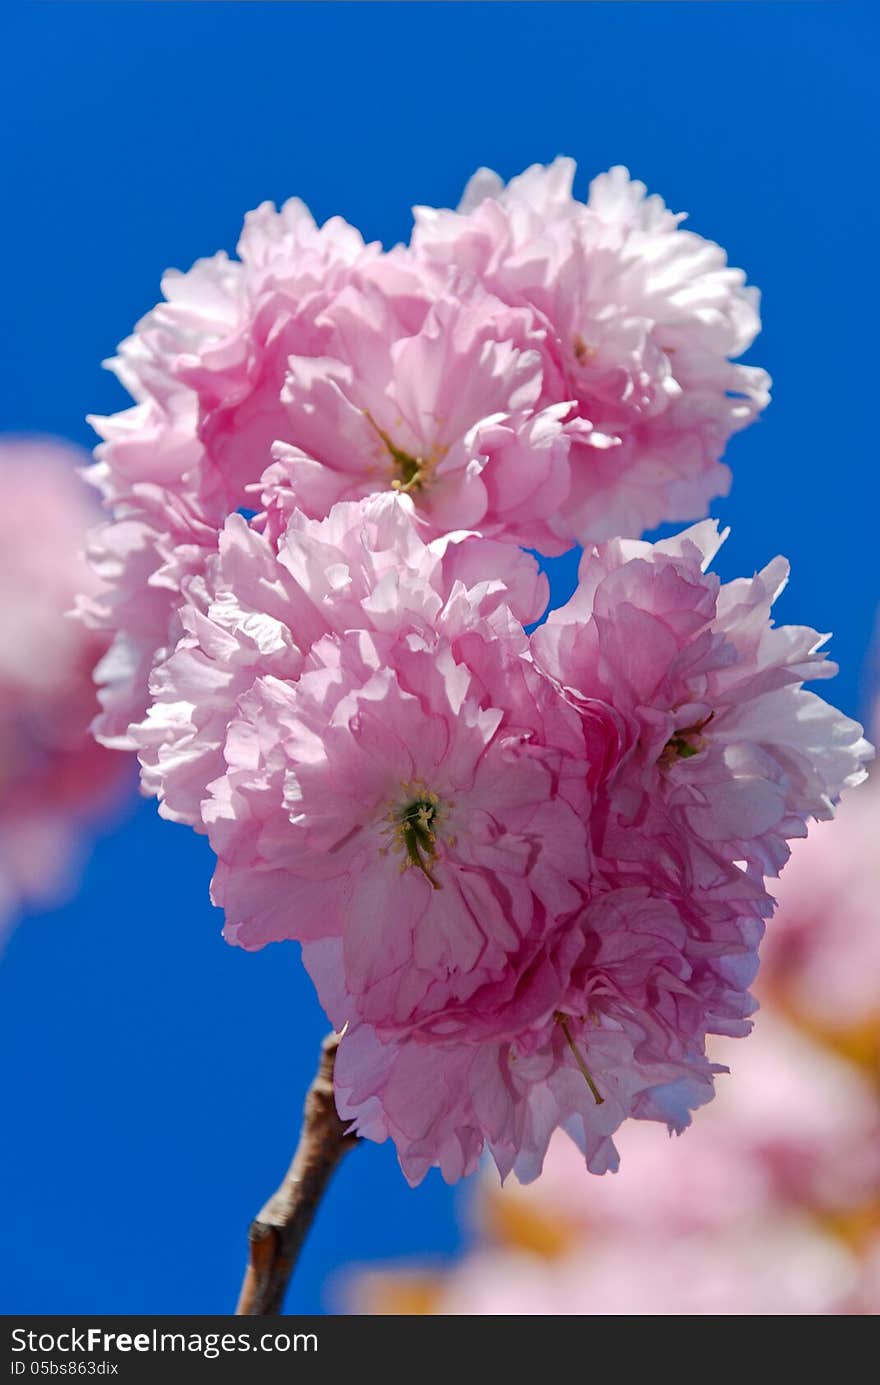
<point>727,755</point>
<point>205,369</point>
<point>601,1039</point>
<point>208,362</point>
<point>439,404</point>
<point>408,785</point>
<point>53,774</point>
<point>458,371</point>
<point>643,322</point>
<point>629,989</point>
<point>528,877</point>
<point>511,942</point>
<point>259,606</point>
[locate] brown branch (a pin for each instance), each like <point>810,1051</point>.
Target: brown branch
<point>277,1234</point>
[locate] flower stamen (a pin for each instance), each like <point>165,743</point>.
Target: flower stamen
<point>413,829</point>
<point>412,472</point>
<point>687,742</point>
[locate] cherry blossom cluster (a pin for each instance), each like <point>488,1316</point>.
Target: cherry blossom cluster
<point>53,777</point>
<point>528,872</point>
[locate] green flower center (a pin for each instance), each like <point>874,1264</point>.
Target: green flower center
<point>412,826</point>
<point>687,742</point>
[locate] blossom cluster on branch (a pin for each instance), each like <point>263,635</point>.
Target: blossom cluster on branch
<point>528,871</point>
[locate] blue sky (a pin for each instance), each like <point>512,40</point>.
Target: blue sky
<point>153,1076</point>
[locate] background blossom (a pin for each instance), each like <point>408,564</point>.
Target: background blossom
<point>52,774</point>
<point>822,957</point>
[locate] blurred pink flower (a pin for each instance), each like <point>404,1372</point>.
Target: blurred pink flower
<point>865,1299</point>
<point>822,955</point>
<point>643,320</point>
<point>792,1269</point>
<point>52,774</point>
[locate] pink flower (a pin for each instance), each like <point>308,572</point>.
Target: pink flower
<point>379,375</point>
<point>259,607</point>
<point>205,369</point>
<point>407,784</point>
<point>501,892</point>
<point>439,404</point>
<point>611,1025</point>
<point>52,774</point>
<point>643,320</point>
<point>727,756</point>
<point>630,988</point>
<point>528,878</point>
<point>206,365</point>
